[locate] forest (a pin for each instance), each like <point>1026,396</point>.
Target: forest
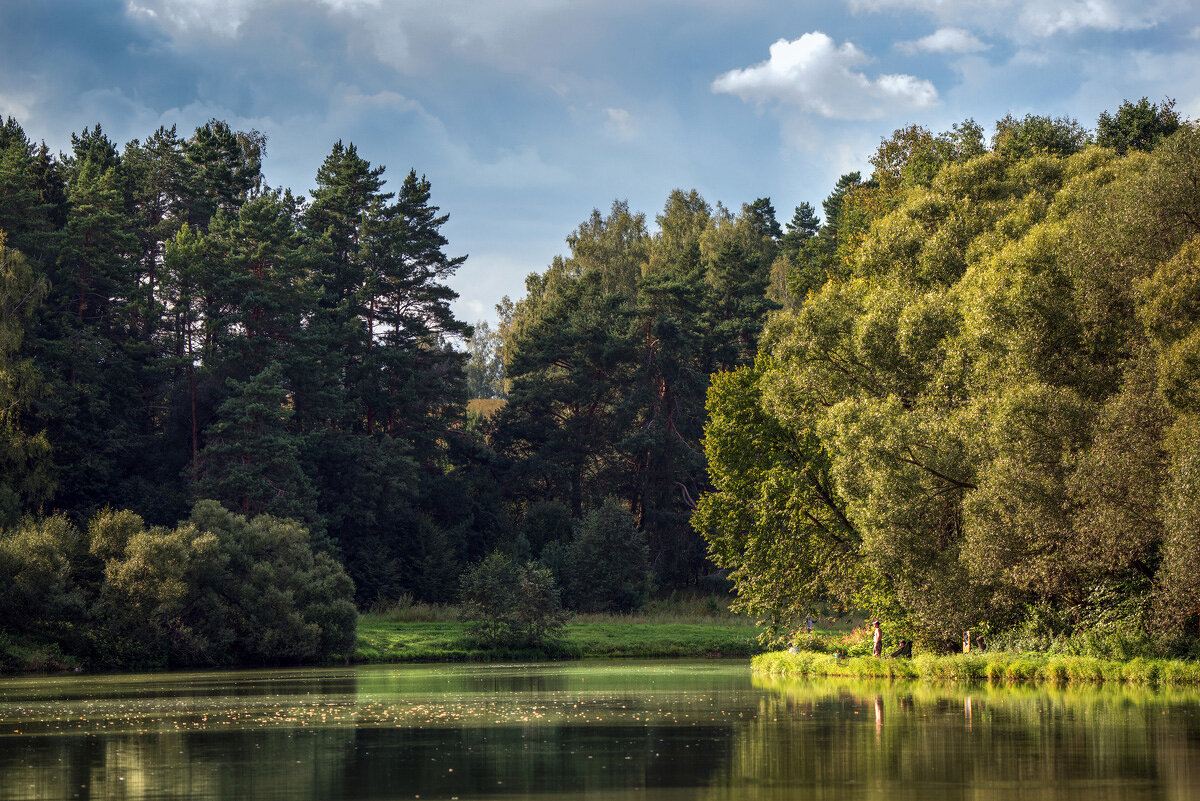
<point>963,396</point>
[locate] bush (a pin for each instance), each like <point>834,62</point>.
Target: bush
<point>217,590</point>
<point>40,591</point>
<point>511,605</point>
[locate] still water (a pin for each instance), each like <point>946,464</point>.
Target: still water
<point>610,730</point>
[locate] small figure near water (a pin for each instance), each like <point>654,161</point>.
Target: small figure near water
<point>877,649</point>
<point>970,642</point>
<point>904,651</point>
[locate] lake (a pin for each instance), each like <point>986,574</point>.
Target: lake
<point>604,730</point>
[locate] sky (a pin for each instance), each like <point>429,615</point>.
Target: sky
<point>526,114</point>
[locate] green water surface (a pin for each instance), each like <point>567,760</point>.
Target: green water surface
<point>613,730</point>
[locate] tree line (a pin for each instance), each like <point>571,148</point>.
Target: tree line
<point>985,416</point>
<point>928,401</point>
<point>176,330</point>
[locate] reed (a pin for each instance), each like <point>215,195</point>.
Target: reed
<point>995,667</point>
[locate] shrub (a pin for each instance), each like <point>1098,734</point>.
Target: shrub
<point>219,589</point>
<point>511,605</point>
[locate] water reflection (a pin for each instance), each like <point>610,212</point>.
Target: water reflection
<point>612,730</point>
<point>958,742</point>
<point>432,732</point>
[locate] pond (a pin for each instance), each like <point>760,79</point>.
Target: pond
<point>611,730</point>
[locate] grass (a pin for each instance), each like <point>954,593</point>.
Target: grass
<point>993,667</point>
<point>389,637</point>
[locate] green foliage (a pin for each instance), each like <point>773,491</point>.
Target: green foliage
<point>484,368</point>
<point>545,522</point>
<point>43,567</point>
<point>217,590</point>
<point>509,604</point>
<point>605,565</point>
<point>250,462</point>
<point>196,334</point>
<point>1020,138</point>
<point>989,667</point>
<point>608,357</point>
<point>912,156</point>
<point>1140,126</point>
<point>26,478</point>
<point>1000,392</point>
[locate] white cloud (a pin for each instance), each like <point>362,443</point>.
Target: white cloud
<point>221,17</point>
<point>928,6</point>
<point>945,40</point>
<point>18,104</point>
<point>816,76</point>
<point>1022,19</point>
<point>1048,18</point>
<point>620,123</point>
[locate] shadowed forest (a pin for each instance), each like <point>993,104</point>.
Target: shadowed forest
<point>962,394</point>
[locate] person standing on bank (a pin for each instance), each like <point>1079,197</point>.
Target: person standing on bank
<point>877,650</point>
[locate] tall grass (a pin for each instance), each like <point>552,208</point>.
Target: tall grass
<point>988,667</point>
<point>406,610</point>
<point>675,608</point>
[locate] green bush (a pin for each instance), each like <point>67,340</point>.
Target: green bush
<point>217,590</point>
<point>42,571</point>
<point>511,605</point>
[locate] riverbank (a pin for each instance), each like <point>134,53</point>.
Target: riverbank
<point>995,667</point>
<point>436,635</point>
<point>382,641</point>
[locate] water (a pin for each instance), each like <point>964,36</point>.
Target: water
<point>612,730</point>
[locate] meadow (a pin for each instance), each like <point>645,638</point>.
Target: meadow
<point>414,632</point>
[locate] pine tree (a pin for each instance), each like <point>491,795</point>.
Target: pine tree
<point>250,459</point>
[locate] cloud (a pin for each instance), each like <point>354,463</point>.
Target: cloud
<point>945,40</point>
<point>409,36</point>
<point>17,103</point>
<point>814,75</point>
<point>620,124</point>
<point>1022,19</point>
<point>1048,18</point>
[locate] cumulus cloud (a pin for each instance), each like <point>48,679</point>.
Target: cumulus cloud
<point>817,76</point>
<point>945,40</point>
<point>1021,19</point>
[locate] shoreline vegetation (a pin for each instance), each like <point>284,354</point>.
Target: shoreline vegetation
<point>414,632</point>
<point>964,398</point>
<point>990,666</point>
<point>664,628</point>
<point>380,642</point>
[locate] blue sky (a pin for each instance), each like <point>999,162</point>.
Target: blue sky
<point>526,114</point>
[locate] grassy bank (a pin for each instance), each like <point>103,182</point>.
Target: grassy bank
<point>995,667</point>
<point>383,640</point>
